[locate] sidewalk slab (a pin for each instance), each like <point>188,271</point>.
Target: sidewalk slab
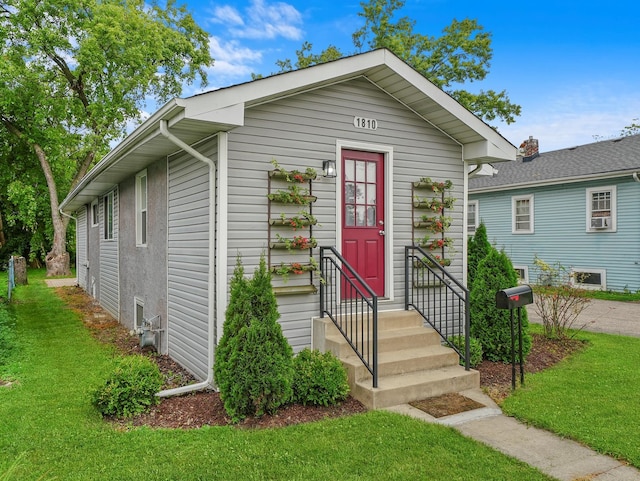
<point>62,282</point>
<point>561,458</point>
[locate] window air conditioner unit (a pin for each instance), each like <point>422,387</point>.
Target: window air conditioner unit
<point>600,222</point>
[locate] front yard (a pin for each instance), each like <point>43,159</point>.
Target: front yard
<point>49,429</point>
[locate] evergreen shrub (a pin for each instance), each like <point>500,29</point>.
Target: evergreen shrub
<point>130,389</point>
<point>254,361</point>
<point>490,325</point>
<point>475,349</point>
<point>319,378</point>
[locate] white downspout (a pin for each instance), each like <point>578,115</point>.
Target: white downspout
<point>164,130</point>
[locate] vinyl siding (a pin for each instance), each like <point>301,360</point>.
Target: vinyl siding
<point>560,230</point>
<point>109,273</point>
<point>81,243</point>
<point>188,254</point>
<point>302,131</point>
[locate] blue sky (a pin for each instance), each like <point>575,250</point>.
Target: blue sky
<point>573,66</point>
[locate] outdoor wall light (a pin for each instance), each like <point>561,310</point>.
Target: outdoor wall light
<point>329,168</point>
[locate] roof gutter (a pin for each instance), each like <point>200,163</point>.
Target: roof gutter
<point>164,131</point>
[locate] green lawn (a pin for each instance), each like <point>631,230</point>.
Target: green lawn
<point>49,430</point>
<point>594,397</point>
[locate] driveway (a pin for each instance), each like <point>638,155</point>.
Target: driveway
<point>611,317</point>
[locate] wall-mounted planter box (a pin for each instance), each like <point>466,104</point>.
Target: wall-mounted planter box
<point>294,268</point>
<point>283,245</point>
<point>305,199</point>
<point>292,290</point>
<point>288,221</point>
<point>292,176</point>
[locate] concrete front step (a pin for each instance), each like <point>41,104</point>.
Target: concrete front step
<point>412,362</point>
<point>403,361</point>
<point>388,320</point>
<point>414,386</point>
<point>407,338</point>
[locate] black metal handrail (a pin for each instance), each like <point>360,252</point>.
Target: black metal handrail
<point>352,306</point>
<point>438,297</point>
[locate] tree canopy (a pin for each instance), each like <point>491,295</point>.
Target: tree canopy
<point>461,54</point>
<point>73,73</point>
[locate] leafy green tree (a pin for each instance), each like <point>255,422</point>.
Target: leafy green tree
<point>477,250</point>
<point>73,73</point>
<point>461,54</point>
<point>490,325</point>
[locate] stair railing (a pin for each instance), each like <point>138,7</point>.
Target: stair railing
<point>352,306</point>
<point>438,297</point>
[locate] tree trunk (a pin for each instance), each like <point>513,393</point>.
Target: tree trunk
<point>57,259</point>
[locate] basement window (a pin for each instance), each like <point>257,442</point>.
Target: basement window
<point>593,279</point>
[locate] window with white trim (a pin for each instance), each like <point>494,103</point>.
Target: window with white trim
<point>108,216</point>
<point>522,214</point>
<point>601,209</point>
<point>472,217</point>
<point>587,278</point>
<point>523,274</point>
<point>141,208</point>
<point>95,211</point>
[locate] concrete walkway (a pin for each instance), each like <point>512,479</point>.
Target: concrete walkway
<point>560,458</point>
<point>62,282</point>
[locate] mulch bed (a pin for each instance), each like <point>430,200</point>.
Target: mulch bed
<point>205,407</point>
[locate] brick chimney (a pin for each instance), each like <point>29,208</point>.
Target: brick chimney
<point>529,149</point>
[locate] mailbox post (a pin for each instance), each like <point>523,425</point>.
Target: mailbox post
<point>515,298</point>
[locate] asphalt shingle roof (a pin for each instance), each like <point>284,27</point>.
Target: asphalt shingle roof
<point>599,158</point>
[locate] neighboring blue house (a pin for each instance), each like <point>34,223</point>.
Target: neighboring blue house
<point>578,206</point>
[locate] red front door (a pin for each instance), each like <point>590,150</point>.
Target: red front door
<point>363,216</point>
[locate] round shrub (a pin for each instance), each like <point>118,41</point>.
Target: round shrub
<point>319,378</point>
<point>475,349</point>
<point>130,389</point>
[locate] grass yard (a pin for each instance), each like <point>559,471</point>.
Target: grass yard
<point>49,430</point>
<point>594,397</point>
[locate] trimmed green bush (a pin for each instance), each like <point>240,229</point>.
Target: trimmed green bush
<point>254,369</point>
<point>477,250</point>
<point>319,378</point>
<point>130,389</point>
<point>490,325</point>
<point>226,367</point>
<point>475,349</point>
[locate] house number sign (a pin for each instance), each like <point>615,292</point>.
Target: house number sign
<point>364,123</point>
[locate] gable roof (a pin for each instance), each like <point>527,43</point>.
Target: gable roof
<point>604,159</point>
<point>198,117</point>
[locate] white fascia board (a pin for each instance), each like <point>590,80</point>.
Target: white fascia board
<point>498,152</point>
<point>197,109</point>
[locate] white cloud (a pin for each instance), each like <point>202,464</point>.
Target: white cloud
<point>234,63</point>
<point>227,15</point>
<point>262,20</point>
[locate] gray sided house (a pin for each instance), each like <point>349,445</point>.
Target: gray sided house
<point>162,218</point>
<point>576,206</point>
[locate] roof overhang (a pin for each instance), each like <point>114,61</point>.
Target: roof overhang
<point>559,181</point>
<point>201,116</point>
